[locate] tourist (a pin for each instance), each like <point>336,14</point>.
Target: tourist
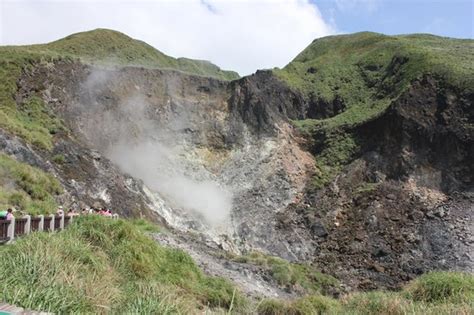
<point>60,211</point>
<point>10,214</point>
<point>72,213</point>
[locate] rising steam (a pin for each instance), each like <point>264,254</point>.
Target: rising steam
<point>151,151</point>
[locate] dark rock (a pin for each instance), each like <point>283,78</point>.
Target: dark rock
<point>318,229</point>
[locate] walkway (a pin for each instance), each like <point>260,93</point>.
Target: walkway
<point>6,309</point>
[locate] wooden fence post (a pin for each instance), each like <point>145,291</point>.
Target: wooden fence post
<point>28,224</point>
<point>41,223</point>
<point>51,224</point>
<point>61,223</point>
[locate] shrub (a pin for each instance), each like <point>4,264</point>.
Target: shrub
<point>286,273</point>
<point>59,159</point>
<point>376,303</point>
<point>315,304</point>
<point>27,187</point>
<point>442,287</point>
<point>271,307</point>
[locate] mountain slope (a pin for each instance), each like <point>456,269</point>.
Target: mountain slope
<point>108,47</point>
<point>385,140</point>
<point>389,121</point>
<point>354,77</point>
<point>348,80</point>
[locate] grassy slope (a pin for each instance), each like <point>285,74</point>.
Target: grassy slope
<point>26,187</point>
<point>361,69</point>
<point>304,276</point>
<point>99,265</point>
<point>110,47</point>
<point>436,293</point>
<point>105,47</point>
<point>33,120</point>
<point>367,71</point>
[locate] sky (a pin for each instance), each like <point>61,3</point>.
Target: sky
<point>236,34</point>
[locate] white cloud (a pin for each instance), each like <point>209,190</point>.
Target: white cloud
<point>238,35</point>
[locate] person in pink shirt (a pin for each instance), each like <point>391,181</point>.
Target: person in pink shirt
<point>9,214</point>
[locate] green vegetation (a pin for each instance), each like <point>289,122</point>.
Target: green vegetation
<point>437,293</point>
<point>366,72</point>
<point>59,159</point>
<point>145,225</point>
<point>27,188</point>
<point>291,274</point>
<point>99,265</point>
<point>111,48</point>
<point>365,188</point>
<point>442,287</point>
<point>312,304</point>
<point>32,119</point>
<point>339,148</point>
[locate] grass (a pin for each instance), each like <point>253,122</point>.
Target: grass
<point>27,188</point>
<point>367,72</point>
<point>311,304</point>
<point>145,225</point>
<point>291,274</point>
<point>441,293</point>
<point>111,48</point>
<point>445,287</point>
<point>99,265</point>
<point>32,119</point>
<point>366,188</point>
<point>59,159</point>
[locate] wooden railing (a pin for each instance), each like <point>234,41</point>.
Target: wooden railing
<point>20,226</point>
<point>35,224</point>
<point>4,230</point>
<point>10,229</point>
<point>47,223</point>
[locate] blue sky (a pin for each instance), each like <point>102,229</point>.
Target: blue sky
<point>453,18</point>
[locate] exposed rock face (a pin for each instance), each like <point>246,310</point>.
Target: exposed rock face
<point>261,101</point>
<point>225,133</point>
<point>89,178</point>
<point>405,204</point>
<point>402,206</point>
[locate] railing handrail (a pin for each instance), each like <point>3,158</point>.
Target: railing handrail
<point>9,230</point>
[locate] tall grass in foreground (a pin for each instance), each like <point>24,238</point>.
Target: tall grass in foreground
<point>99,265</point>
<point>436,293</point>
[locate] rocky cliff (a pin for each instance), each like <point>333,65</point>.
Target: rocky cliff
<point>364,169</point>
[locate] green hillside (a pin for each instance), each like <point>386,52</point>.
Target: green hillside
<point>110,47</point>
<point>368,70</point>
<point>35,122</point>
